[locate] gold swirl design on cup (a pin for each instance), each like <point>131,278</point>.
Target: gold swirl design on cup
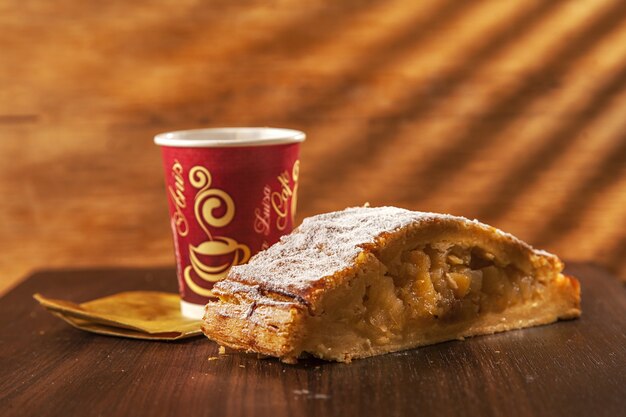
<point>224,252</point>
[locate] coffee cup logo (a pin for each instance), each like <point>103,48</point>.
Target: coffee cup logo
<point>211,259</point>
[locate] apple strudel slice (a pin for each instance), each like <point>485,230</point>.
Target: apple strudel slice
<point>366,281</point>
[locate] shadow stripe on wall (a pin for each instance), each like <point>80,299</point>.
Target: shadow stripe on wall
<point>376,136</point>
<point>480,135</point>
<point>510,189</point>
<point>567,214</point>
<point>334,95</point>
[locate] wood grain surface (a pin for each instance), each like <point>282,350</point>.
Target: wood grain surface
<point>571,368</point>
<point>513,112</point>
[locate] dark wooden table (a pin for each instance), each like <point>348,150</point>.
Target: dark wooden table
<point>47,368</point>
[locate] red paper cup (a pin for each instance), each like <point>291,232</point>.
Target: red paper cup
<point>232,192</point>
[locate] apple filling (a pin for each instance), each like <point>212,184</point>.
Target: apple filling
<point>398,299</point>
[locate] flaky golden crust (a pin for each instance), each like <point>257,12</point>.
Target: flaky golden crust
<point>259,310</point>
<point>247,320</point>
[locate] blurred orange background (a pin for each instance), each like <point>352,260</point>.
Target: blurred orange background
<point>510,112</point>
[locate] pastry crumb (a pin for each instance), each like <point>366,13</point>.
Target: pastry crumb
<point>311,395</point>
<point>222,350</point>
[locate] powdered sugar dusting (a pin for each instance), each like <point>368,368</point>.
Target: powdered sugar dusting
<point>321,246</point>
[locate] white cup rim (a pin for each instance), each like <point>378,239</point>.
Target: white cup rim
<point>219,137</point>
